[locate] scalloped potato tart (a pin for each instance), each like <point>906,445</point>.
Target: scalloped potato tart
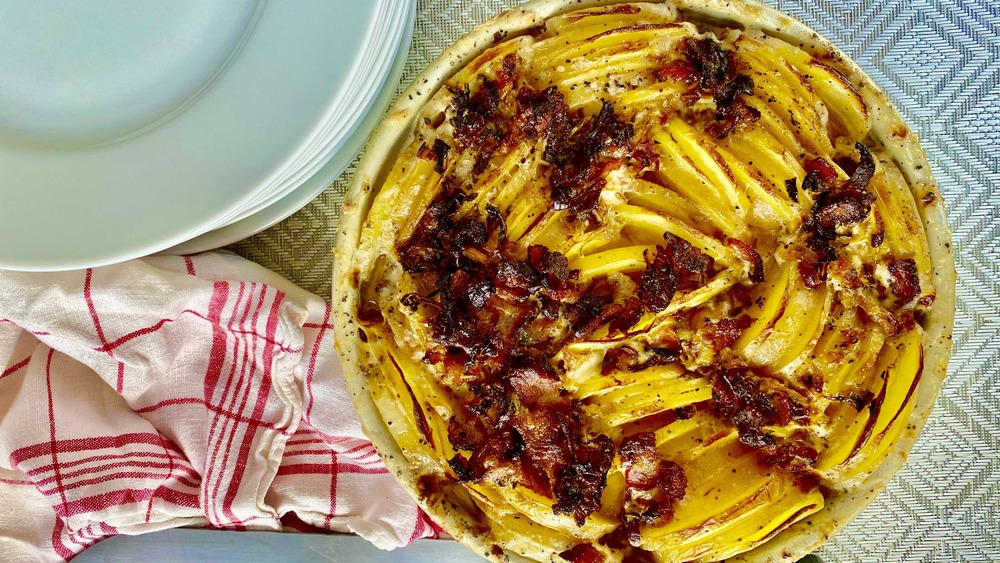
<point>662,281</point>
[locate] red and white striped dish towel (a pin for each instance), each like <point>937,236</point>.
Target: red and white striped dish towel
<point>179,391</point>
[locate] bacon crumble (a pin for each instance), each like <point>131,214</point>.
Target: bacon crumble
<point>583,553</point>
<point>738,398</point>
<point>752,256</point>
<point>674,264</point>
<point>719,77</point>
<point>579,159</point>
<point>837,206</point>
<point>652,485</point>
<point>480,316</point>
<point>905,281</point>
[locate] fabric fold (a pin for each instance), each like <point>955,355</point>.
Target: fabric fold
<point>179,391</point>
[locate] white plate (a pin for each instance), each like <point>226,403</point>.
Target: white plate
<point>323,178</point>
<point>368,74</point>
<point>344,119</point>
<point>128,127</point>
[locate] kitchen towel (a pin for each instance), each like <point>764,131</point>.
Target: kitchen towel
<point>179,391</point>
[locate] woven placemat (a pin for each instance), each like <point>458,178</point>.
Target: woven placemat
<point>939,61</point>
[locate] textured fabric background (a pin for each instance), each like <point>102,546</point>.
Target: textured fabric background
<point>939,60</point>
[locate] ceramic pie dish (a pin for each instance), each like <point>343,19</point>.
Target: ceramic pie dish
<point>620,280</point>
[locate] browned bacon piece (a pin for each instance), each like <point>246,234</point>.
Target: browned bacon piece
<point>652,484</point>
<point>719,76</point>
<point>905,282</point>
<point>675,263</point>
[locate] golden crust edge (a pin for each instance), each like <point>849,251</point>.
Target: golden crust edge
<point>396,131</point>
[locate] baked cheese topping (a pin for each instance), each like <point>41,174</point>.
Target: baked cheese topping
<point>641,286</point>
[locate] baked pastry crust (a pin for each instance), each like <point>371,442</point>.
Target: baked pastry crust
<point>770,267</point>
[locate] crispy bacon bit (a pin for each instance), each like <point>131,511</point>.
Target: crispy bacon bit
<point>732,111</point>
<point>691,263</point>
<point>645,156</point>
<point>465,434</point>
<point>851,278</point>
<point>550,307</point>
<point>739,399</point>
<point>425,152</point>
<point>441,149</point>
<point>578,159</point>
<point>823,169</point>
<point>535,383</point>
<point>711,61</point>
<point>927,300</point>
<point>495,224</point>
<point>679,70</point>
<point>473,113</point>
<point>652,485</point>
<point>868,273</point>
<point>425,250</point>
<point>608,313</point>
<point>726,332</point>
<point>658,357</point>
<point>630,314</point>
<point>905,281</point>
<point>675,263</point>
<point>718,75</point>
<point>369,313</point>
<point>796,457</point>
<point>552,265</point>
<point>518,277</point>
<point>585,310</point>
<point>865,170</point>
<point>479,293</point>
<point>468,232</point>
<point>508,71</point>
<point>877,239</point>
<point>750,255</point>
<point>542,113</point>
<point>583,553</point>
<point>659,282</point>
<point>813,275</point>
<point>836,207</point>
<point>438,152</point>
<point>813,183</point>
<point>618,359</point>
<point>792,188</point>
<point>420,258</point>
<point>498,449</point>
<point>579,484</point>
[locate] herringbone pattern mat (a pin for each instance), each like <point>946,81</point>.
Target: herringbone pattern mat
<point>939,60</point>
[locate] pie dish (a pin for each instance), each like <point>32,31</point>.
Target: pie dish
<point>620,280</point>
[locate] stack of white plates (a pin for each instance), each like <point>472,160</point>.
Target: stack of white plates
<point>128,128</point>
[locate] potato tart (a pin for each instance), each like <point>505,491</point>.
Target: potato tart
<point>658,281</point>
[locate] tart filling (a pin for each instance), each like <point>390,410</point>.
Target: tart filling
<point>641,286</point>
